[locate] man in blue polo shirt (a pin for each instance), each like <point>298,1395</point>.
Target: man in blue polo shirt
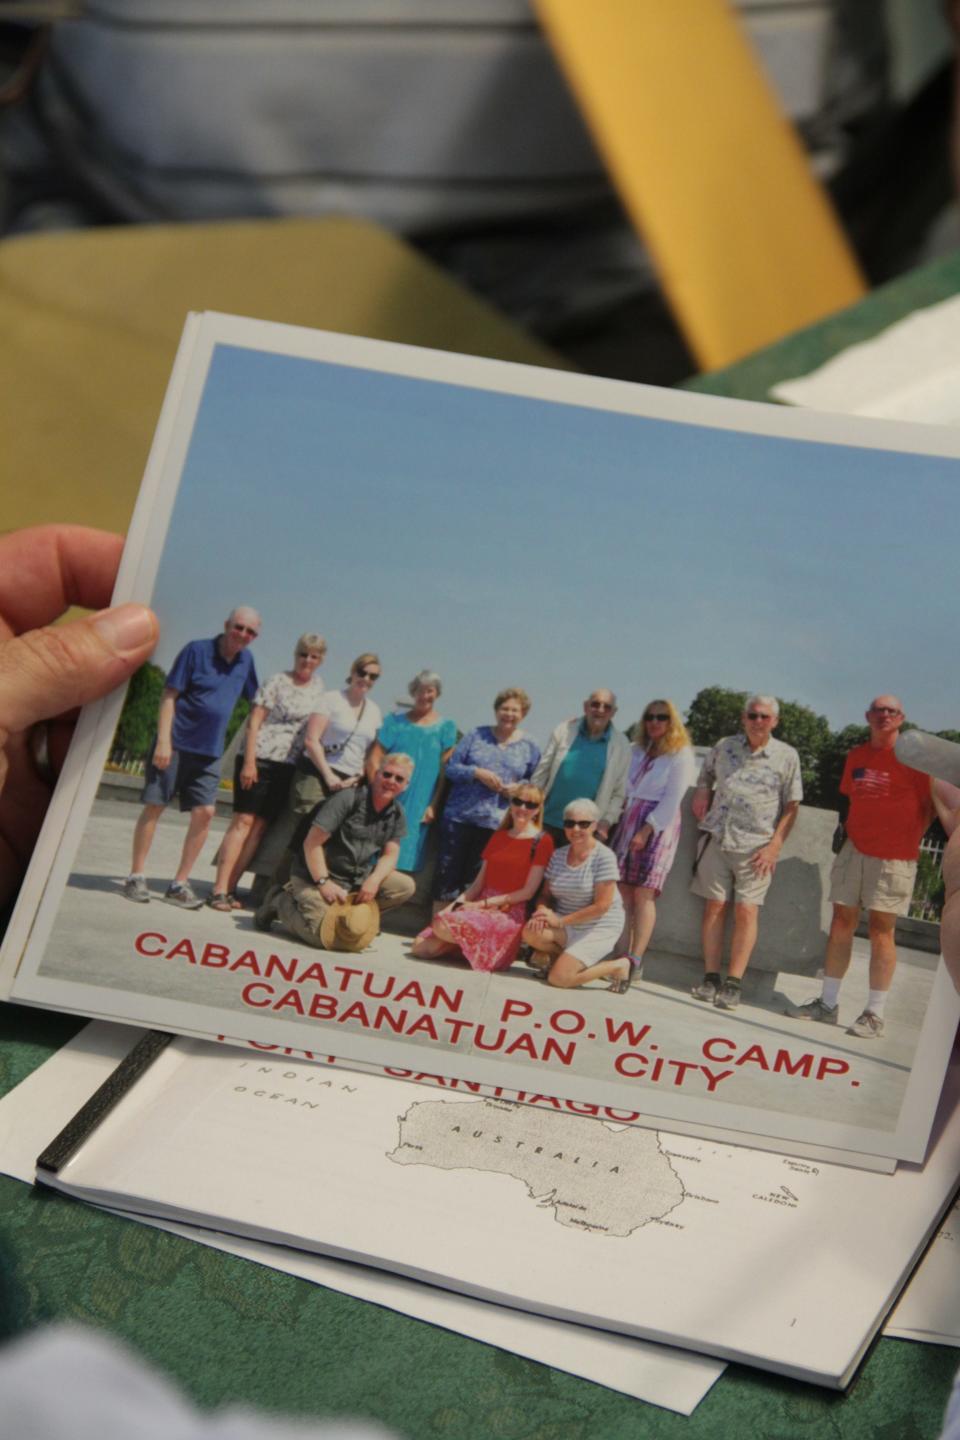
<point>207,679</point>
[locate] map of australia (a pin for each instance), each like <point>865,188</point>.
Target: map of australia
<point>596,1178</point>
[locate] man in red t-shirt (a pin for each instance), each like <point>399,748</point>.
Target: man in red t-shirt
<point>885,808</point>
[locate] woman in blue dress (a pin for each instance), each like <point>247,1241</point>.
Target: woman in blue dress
<point>429,739</point>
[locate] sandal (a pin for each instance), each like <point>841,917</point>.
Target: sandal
<point>621,983</point>
<point>235,902</point>
<point>220,902</point>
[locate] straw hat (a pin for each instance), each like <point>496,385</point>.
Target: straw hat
<point>348,925</point>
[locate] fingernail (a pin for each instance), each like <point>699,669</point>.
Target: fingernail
<point>125,627</point>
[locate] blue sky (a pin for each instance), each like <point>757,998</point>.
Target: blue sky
<point>503,540</point>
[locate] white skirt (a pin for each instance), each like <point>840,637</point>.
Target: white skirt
<point>595,940</point>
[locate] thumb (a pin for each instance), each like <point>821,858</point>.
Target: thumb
<point>48,671</point>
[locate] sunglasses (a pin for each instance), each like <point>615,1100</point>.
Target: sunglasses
<point>661,719</point>
<point>758,715</point>
<point>577,824</point>
<point>393,775</point>
<point>599,705</point>
<point>309,655</point>
<point>526,804</point>
<point>884,710</point>
<point>244,629</point>
<point>367,674</point>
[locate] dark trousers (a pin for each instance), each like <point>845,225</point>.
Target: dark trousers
<point>460,858</point>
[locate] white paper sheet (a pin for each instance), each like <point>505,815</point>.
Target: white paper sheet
<point>37,1109</point>
<point>910,371</point>
<point>929,1308</point>
<point>571,1217</point>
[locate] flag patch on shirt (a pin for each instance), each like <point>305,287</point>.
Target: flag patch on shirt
<point>872,782</point>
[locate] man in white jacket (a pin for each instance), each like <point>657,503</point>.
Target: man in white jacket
<point>586,758</point>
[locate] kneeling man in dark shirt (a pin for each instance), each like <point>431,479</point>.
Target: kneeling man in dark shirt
<point>351,849</point>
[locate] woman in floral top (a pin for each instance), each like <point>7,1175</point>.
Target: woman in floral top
<point>484,770</point>
<point>262,773</point>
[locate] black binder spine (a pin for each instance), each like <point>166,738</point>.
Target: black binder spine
<point>101,1102</point>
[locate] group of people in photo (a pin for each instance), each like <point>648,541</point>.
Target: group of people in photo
<point>556,857</point>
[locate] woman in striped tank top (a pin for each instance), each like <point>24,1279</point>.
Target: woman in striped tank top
<point>581,915</point>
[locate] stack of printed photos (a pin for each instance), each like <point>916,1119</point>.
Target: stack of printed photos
<point>545,542</point>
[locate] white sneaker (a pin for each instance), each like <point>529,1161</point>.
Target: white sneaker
<point>867,1026</point>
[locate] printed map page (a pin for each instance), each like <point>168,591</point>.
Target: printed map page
<point>594,1178</point>
<point>677,1239</point>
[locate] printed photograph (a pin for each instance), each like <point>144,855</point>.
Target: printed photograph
<point>536,743</point>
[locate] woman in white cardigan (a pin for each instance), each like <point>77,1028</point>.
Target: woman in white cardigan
<point>662,769</point>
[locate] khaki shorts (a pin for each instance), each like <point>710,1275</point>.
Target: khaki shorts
<point>871,883</point>
<point>301,907</point>
<point>726,874</point>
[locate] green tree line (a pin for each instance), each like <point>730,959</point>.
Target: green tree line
<point>714,712</point>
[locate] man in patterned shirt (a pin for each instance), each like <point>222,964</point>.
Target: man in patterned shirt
<point>746,801</point>
<point>885,807</point>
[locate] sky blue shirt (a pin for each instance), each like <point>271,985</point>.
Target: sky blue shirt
<point>209,687</point>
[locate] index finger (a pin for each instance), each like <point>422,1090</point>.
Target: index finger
<point>45,570</point>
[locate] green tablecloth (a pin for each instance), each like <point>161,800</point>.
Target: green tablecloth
<point>230,1330</point>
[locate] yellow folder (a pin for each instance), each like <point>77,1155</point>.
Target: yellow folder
<point>708,167</point>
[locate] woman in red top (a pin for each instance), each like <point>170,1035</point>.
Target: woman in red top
<point>483,924</point>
